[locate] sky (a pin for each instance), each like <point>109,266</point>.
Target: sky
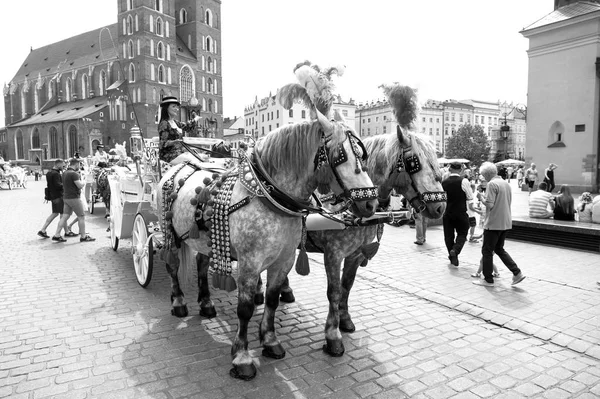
<point>463,49</point>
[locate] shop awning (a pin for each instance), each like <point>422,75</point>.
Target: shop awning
<point>65,111</point>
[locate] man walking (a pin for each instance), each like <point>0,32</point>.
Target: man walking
<point>531,175</point>
<point>498,220</point>
<point>55,196</point>
<point>455,218</point>
<point>72,185</point>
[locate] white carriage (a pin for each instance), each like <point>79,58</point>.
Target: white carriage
<point>133,204</point>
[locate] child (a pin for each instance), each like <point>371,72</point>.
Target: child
<point>472,211</point>
<point>478,274</point>
<point>585,207</point>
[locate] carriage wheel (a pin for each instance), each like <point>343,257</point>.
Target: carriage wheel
<point>143,260</point>
<point>91,204</point>
<point>114,240</point>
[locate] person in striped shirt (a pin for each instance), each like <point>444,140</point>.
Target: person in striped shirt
<point>539,202</point>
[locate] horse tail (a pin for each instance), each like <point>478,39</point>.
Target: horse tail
<point>187,261</point>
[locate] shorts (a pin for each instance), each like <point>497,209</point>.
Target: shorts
<point>530,183</point>
<point>57,205</point>
<point>73,205</point>
<point>472,221</point>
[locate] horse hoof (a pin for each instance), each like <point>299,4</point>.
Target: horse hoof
<point>346,325</point>
<point>259,299</point>
<point>287,297</point>
<point>334,348</point>
<point>274,352</point>
<point>244,372</point>
<point>179,311</point>
<point>209,312</point>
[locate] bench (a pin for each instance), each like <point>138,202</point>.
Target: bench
<point>577,235</point>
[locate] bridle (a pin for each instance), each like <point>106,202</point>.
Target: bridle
<point>411,165</point>
<point>322,158</point>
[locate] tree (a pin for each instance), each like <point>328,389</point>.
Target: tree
<point>470,142</point>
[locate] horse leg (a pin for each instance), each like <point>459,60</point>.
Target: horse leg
<point>287,294</point>
<point>271,346</point>
<point>177,301</point>
<point>350,267</point>
<point>243,366</point>
<point>333,337</point>
<point>259,297</point>
<point>207,307</point>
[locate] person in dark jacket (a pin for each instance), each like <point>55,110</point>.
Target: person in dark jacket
<point>456,219</point>
<point>55,196</point>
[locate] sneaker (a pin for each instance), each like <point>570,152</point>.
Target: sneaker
<point>419,242</point>
<point>496,275</point>
<point>518,278</point>
<point>71,234</point>
<point>476,275</point>
<point>86,239</point>
<point>58,239</point>
<point>483,282</point>
<point>43,234</point>
<point>453,257</point>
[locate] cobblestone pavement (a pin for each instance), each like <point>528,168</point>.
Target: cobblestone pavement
<point>74,323</point>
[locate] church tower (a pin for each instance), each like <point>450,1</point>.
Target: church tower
<point>167,48</point>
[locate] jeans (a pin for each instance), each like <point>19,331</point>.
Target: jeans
<point>458,222</point>
<point>493,242</point>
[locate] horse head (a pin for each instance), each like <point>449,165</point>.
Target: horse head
<point>340,165</point>
<point>415,173</point>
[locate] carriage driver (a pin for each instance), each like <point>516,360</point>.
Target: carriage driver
<point>101,157</point>
<point>171,131</point>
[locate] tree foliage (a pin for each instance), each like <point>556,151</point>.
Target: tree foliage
<point>470,142</point>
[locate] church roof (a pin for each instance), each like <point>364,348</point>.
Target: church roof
<point>569,11</point>
<point>74,52</point>
<point>66,111</point>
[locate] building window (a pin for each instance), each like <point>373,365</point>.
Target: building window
<point>183,16</point>
<point>437,120</point>
<point>208,44</point>
<point>158,5</point>
<point>423,119</point>
<point>384,129</point>
<point>345,113</point>
<point>580,128</point>
<point>68,89</point>
<point>453,117</point>
<point>482,119</point>
<point>303,114</point>
<point>20,152</point>
<point>208,18</point>
<point>35,138</point>
<point>73,145</point>
<point>291,113</point>
<point>447,118</point>
<point>186,84</point>
<point>161,74</point>
<point>159,26</point>
<point>209,65</point>
<point>277,113</point>
<point>84,86</point>
<point>130,49</point>
<point>53,142</point>
<point>209,85</point>
<point>210,105</point>
<point>129,5</point>
<point>160,51</point>
<point>131,73</point>
<point>460,118</point>
<point>129,25</point>
<point>437,131</point>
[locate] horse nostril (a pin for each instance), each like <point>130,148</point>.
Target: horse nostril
<point>438,210</point>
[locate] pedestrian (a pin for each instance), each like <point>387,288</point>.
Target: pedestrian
<point>36,174</point>
<point>420,227</point>
<point>101,157</point>
<point>472,211</point>
<point>498,220</point>
<point>456,221</point>
<point>520,176</point>
<point>585,207</point>
<point>531,176</point>
<point>509,172</point>
<point>72,185</point>
<point>541,203</point>
<point>564,204</point>
<point>549,177</point>
<point>54,195</point>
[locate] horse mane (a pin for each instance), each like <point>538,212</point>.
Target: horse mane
<point>292,147</point>
<point>384,150</point>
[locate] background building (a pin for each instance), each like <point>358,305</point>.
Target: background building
<point>267,114</point>
<point>93,88</point>
<point>563,101</point>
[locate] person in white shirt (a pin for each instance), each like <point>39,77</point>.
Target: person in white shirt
<point>101,157</point>
<point>539,201</point>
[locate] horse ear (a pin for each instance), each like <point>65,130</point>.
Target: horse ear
<point>325,123</point>
<point>338,117</point>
